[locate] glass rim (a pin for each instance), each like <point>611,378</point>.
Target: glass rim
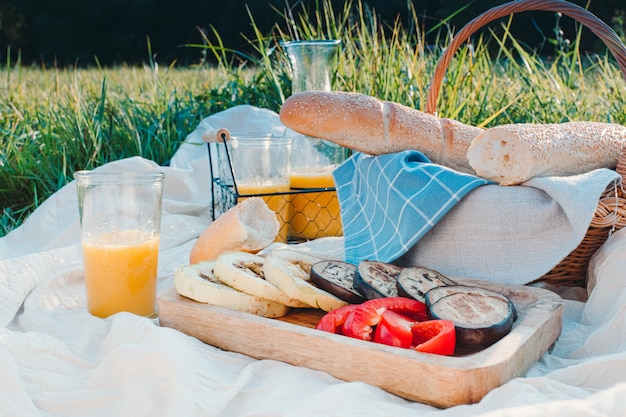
<point>247,135</point>
<point>311,42</point>
<point>118,176</point>
<point>279,140</point>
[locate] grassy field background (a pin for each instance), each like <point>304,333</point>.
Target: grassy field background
<point>54,121</point>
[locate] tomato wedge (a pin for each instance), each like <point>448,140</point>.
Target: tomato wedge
<point>360,324</point>
<point>394,329</point>
<point>333,320</point>
<point>434,336</point>
<point>395,321</point>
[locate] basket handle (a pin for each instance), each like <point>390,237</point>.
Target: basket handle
<point>597,26</point>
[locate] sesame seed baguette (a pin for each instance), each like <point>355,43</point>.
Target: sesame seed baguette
<point>369,125</point>
<point>512,154</point>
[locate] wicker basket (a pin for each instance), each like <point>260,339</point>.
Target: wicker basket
<point>610,214</point>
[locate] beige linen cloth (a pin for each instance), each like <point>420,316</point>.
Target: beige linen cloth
<point>513,235</point>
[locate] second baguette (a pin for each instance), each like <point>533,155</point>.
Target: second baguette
<point>512,154</point>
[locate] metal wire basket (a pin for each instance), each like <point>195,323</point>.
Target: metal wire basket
<point>304,214</point>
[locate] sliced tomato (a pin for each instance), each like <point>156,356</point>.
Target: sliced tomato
<point>333,320</point>
<point>434,336</point>
<point>394,329</point>
<point>360,324</point>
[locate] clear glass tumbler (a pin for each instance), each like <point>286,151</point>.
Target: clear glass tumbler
<point>262,166</point>
<point>120,218</point>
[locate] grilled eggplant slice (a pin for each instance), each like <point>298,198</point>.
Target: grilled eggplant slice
<point>481,316</point>
<point>377,279</point>
<point>415,282</point>
<point>337,278</point>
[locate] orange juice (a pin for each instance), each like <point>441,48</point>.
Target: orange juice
<point>315,214</point>
<point>277,203</point>
<point>121,273</point>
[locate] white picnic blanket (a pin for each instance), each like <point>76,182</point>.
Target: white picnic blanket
<point>57,360</point>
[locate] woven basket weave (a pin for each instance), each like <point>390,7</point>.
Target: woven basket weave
<point>610,215</point>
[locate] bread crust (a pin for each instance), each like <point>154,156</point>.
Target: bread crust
<point>249,226</point>
<point>457,138</point>
<point>506,154</point>
<point>369,125</point>
<point>512,154</point>
<point>344,118</point>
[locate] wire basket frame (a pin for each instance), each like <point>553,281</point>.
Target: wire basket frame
<point>304,214</point>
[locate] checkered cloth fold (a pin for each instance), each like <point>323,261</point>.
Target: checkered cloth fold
<point>389,202</point>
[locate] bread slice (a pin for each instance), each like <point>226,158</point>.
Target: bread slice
<point>244,272</point>
<point>290,271</point>
<point>249,227</point>
<point>199,283</point>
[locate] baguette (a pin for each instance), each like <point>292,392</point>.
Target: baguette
<point>249,226</point>
<point>369,125</point>
<point>512,154</point>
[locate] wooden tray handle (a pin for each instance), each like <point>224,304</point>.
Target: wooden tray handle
<point>597,26</point>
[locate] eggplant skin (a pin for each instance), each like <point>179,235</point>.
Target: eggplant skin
<point>376,279</point>
<point>337,278</point>
<point>483,338</point>
<point>481,317</point>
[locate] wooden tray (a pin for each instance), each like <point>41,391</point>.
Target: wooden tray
<point>442,381</point>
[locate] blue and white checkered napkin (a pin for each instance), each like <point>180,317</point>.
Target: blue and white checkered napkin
<point>389,202</point>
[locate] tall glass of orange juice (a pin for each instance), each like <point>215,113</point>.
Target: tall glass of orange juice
<point>315,214</point>
<point>120,216</point>
<point>261,167</point>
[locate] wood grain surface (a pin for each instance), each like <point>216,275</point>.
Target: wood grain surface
<point>442,381</point>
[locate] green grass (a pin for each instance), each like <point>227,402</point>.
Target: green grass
<point>55,121</point>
